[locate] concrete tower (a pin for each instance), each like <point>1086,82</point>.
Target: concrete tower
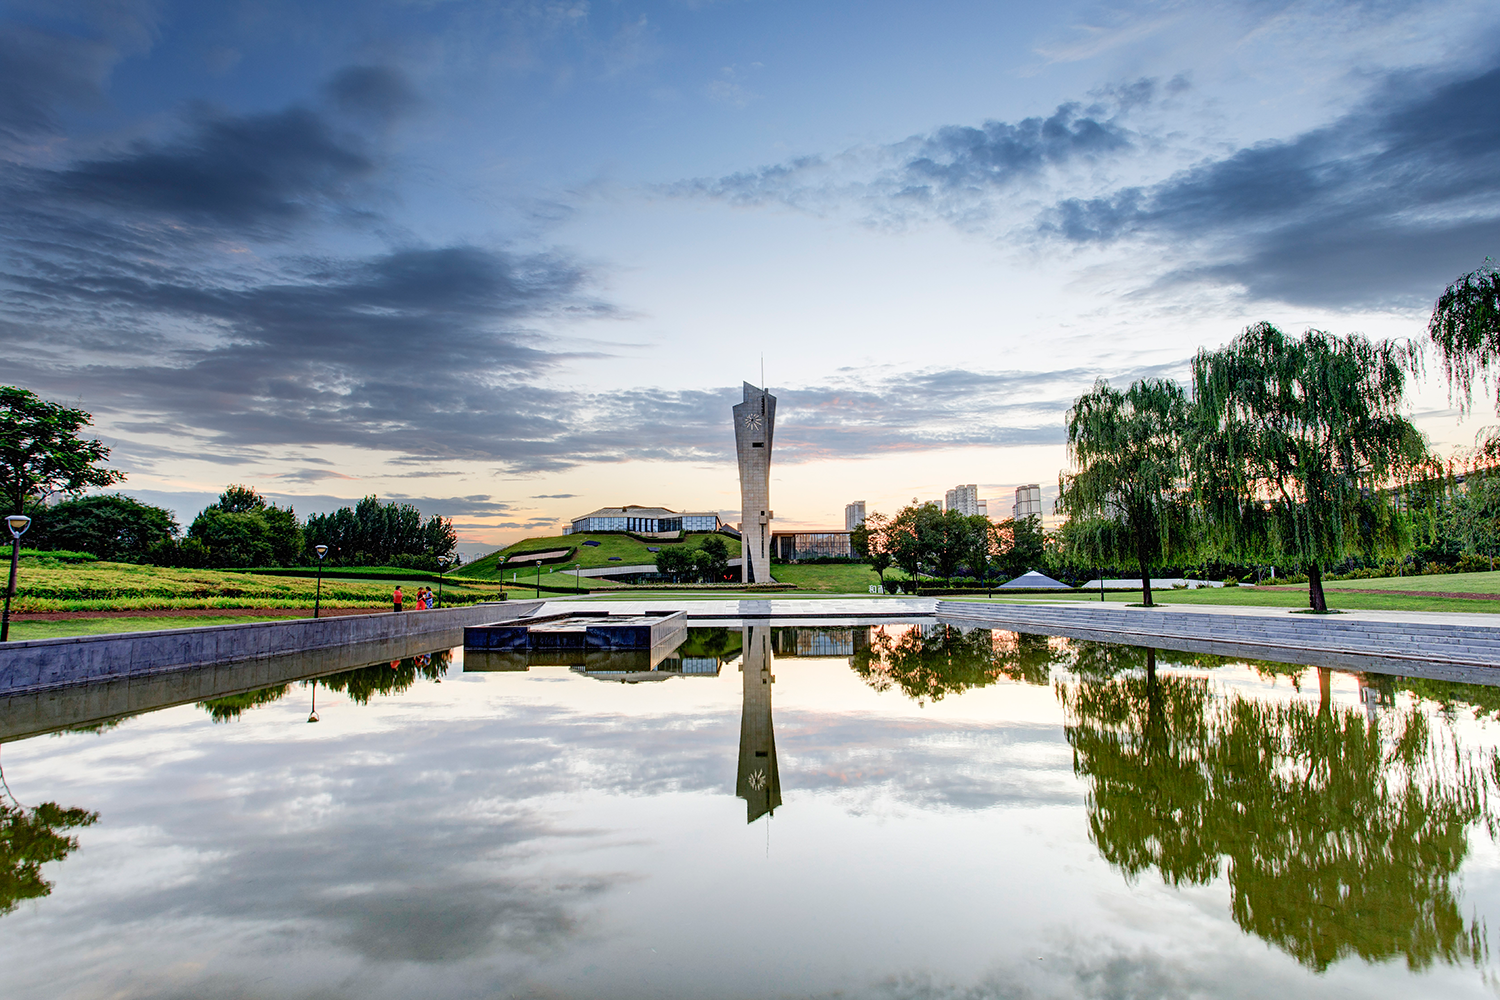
<point>754,425</point>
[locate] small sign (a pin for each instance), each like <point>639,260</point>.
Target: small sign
<point>874,589</point>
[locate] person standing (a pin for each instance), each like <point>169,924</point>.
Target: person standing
<point>396,597</point>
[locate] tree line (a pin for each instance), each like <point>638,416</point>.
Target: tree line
<point>241,529</point>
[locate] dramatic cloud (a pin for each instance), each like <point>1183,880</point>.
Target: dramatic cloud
<point>953,171</point>
<point>1384,205</point>
<point>241,172</point>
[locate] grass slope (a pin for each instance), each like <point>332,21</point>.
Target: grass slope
<point>834,578</point>
<point>105,586</point>
<point>630,552</point>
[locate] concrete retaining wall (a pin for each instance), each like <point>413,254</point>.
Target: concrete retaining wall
<point>44,664</point>
<point>1432,648</point>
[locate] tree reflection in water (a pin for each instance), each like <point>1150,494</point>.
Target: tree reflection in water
<point>360,684</point>
<point>29,838</point>
<point>927,662</point>
<point>395,677</point>
<point>1341,835</point>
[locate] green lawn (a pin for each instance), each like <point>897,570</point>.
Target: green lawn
<point>834,578</point>
<point>630,552</point>
<point>1453,583</point>
<point>1290,598</point>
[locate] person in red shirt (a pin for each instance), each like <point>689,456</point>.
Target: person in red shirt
<point>396,598</point>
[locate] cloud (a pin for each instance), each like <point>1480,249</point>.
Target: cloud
<point>951,171</point>
<point>380,93</point>
<point>42,72</point>
<point>314,475</point>
<point>1382,206</point>
<point>244,172</point>
<point>554,496</point>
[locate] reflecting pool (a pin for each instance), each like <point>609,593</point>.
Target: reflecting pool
<point>887,811</point>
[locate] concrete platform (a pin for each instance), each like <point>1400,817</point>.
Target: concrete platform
<point>591,629</point>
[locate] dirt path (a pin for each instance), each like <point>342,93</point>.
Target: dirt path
<point>62,616</point>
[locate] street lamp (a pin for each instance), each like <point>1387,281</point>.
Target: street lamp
<point>321,550</point>
<point>539,579</point>
<point>313,716</point>
<point>577,581</point>
<point>443,562</point>
<point>17,523</point>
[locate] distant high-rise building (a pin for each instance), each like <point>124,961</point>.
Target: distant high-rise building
<point>984,508</point>
<point>1028,502</point>
<point>964,499</point>
<point>854,515</point>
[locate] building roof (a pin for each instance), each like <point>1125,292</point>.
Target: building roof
<point>633,510</point>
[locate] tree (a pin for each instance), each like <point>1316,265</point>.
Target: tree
<point>871,540</point>
<point>1300,448</point>
<point>1128,503</point>
<point>676,562</point>
<point>1022,545</point>
<point>985,546</point>
<point>378,533</point>
<point>1465,327</point>
<point>41,452</point>
<point>110,526</point>
<point>714,553</point>
<point>241,529</point>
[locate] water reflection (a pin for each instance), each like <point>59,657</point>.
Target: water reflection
<point>360,684</point>
<point>929,662</point>
<point>29,838</point>
<point>759,782</point>
<point>1339,835</point>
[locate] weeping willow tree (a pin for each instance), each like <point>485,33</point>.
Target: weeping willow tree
<point>1300,448</point>
<point>1465,327</point>
<point>1128,503</point>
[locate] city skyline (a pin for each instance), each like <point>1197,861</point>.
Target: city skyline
<point>500,261</point>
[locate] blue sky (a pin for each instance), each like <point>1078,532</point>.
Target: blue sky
<point>512,260</point>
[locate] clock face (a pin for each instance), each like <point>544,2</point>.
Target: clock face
<point>752,421</point>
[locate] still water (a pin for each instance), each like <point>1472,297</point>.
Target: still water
<point>892,811</point>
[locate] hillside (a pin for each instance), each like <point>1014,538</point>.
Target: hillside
<point>625,550</point>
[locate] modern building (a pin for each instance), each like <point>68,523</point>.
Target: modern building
<point>854,515</point>
<point>793,546</point>
<point>964,499</point>
<point>644,521</point>
<point>754,428</point>
<point>1028,502</point>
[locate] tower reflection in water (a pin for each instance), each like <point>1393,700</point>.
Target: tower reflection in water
<point>759,781</point>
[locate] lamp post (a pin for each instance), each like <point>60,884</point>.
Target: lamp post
<point>313,715</point>
<point>443,562</point>
<point>577,574</point>
<point>321,550</point>
<point>17,523</point>
<point>539,579</point>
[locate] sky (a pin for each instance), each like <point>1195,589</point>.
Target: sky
<point>512,261</point>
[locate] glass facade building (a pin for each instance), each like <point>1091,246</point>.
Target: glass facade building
<point>790,546</point>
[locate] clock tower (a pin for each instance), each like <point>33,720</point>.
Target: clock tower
<point>754,425</point>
